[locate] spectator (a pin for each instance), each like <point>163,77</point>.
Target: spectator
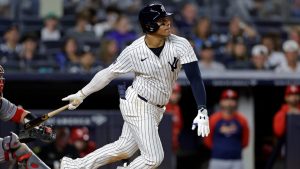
<point>53,152</point>
<point>295,8</point>
<point>276,57</point>
<point>292,65</point>
<point>108,52</point>
<point>80,138</point>
<point>10,48</point>
<point>294,34</point>
<point>5,9</point>
<point>174,109</point>
<point>272,9</point>
<point>50,31</point>
<point>90,5</point>
<point>80,31</point>
<point>68,53</point>
<point>207,62</point>
<point>86,63</point>
<point>229,134</point>
<point>112,14</point>
<point>29,51</point>
<point>187,20</point>
<point>203,33</point>
<point>259,58</point>
<point>122,33</point>
<point>239,58</point>
<point>242,8</point>
<point>292,106</point>
<point>238,28</point>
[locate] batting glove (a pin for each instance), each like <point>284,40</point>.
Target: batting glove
<point>201,121</point>
<point>75,99</point>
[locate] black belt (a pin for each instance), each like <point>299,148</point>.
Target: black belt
<point>145,100</point>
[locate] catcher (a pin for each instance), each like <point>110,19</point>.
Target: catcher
<point>13,148</point>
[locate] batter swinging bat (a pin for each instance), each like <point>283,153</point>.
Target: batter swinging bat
<point>43,118</point>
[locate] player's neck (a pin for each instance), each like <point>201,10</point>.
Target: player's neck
<point>154,41</point>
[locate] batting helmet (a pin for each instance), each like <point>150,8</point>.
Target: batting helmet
<point>1,80</point>
<point>150,14</point>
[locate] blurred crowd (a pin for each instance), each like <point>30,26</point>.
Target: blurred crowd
<point>259,35</point>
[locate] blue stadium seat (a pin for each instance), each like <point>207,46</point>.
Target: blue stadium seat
<point>4,23</point>
<point>31,24</point>
<point>52,44</point>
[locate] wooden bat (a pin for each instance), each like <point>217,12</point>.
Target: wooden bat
<point>33,123</point>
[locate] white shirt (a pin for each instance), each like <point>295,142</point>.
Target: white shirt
<point>154,76</point>
<point>276,59</point>
<point>212,67</point>
<point>284,68</point>
<point>46,35</point>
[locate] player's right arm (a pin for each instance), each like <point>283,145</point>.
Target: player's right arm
<point>123,64</point>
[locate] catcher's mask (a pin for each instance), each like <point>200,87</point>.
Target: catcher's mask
<point>1,80</point>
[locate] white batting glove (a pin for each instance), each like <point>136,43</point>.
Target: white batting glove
<point>202,122</point>
<point>75,99</point>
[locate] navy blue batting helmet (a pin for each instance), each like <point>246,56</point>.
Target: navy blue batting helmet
<point>149,15</point>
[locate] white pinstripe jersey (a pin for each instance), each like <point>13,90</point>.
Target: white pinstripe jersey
<point>154,76</point>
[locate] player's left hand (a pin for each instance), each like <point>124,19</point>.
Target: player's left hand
<point>202,122</point>
<point>41,132</point>
<point>75,99</point>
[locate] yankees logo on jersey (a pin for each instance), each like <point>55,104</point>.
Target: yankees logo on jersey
<point>174,64</point>
<point>153,78</point>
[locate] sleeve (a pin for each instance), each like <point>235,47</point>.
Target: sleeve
<point>102,78</point>
<point>123,63</point>
<point>279,123</point>
<point>186,52</point>
<point>9,111</point>
<point>193,74</point>
<point>245,130</point>
<point>208,141</point>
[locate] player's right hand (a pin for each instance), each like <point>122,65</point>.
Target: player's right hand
<point>75,99</point>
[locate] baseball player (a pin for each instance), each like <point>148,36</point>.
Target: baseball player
<point>10,146</point>
<point>229,134</point>
<point>292,106</point>
<point>156,59</point>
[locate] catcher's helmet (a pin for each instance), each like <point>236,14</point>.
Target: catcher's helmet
<point>150,14</point>
<point>1,80</point>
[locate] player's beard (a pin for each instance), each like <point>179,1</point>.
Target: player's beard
<point>228,109</point>
<point>294,103</point>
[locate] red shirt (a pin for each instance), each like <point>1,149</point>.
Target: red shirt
<point>279,121</point>
<point>175,111</point>
<point>217,118</point>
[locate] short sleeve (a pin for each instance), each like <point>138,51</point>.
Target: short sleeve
<point>186,52</point>
<point>7,110</point>
<point>123,63</point>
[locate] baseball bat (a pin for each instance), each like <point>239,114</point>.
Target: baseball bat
<point>33,123</point>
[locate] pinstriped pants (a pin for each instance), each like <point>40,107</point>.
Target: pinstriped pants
<point>140,131</point>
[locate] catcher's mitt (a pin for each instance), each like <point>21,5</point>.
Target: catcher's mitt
<point>42,132</point>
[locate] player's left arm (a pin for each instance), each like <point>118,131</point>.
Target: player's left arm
<point>201,121</point>
<point>189,62</point>
<point>245,130</point>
